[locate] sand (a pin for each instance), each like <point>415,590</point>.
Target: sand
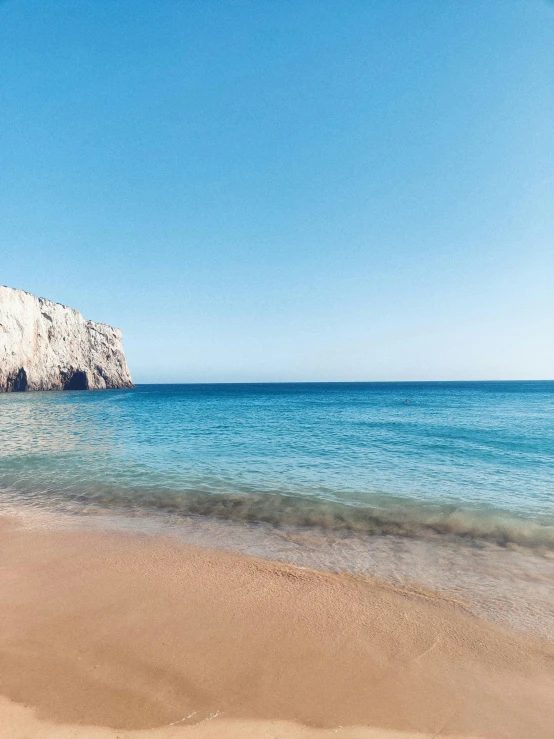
<point>110,634</point>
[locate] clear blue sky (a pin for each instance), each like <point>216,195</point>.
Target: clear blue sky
<point>287,190</point>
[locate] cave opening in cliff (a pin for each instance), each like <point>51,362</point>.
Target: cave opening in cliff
<point>18,384</point>
<point>77,381</point>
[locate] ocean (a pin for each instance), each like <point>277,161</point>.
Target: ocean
<point>466,459</point>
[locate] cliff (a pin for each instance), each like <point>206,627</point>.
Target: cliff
<point>48,346</point>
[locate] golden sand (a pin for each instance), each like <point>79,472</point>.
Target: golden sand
<point>110,635</point>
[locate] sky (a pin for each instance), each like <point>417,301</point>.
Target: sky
<point>284,190</point>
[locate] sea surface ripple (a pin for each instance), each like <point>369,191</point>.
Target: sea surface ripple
<point>470,460</point>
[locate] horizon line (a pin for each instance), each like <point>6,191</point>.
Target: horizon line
<point>335,382</point>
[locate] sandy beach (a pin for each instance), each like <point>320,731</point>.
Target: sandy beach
<point>110,634</point>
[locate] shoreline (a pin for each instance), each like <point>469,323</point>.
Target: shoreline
<point>133,632</point>
<point>511,586</point>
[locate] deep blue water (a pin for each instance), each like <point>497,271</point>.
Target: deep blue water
<point>469,459</point>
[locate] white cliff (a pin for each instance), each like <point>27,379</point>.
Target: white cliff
<point>48,346</point>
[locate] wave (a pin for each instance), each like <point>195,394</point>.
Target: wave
<point>406,519</point>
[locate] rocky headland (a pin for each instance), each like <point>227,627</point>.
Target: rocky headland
<point>48,346</point>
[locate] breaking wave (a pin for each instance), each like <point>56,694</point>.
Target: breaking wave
<point>405,519</point>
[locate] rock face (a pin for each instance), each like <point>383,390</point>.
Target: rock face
<point>48,346</point>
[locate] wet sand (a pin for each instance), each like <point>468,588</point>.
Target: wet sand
<point>110,634</point>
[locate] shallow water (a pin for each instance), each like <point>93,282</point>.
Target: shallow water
<point>471,460</point>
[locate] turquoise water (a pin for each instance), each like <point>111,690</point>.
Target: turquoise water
<point>474,461</point>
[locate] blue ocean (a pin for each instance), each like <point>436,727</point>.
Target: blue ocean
<point>472,461</point>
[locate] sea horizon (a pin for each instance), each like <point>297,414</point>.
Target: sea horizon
<point>340,382</point>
